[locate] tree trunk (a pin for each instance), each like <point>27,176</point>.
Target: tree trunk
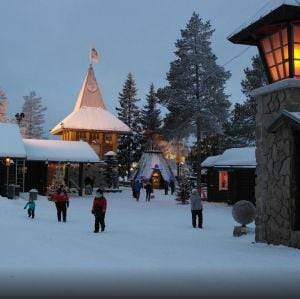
<point>198,133</point>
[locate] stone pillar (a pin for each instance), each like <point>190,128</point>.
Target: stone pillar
<point>274,201</point>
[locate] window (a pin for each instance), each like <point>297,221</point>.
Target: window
<point>275,48</point>
<point>223,180</point>
<point>81,135</point>
<point>94,137</point>
<point>107,138</point>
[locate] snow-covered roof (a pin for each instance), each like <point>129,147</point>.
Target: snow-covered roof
<point>292,118</point>
<point>209,161</point>
<point>110,153</point>
<point>91,118</point>
<point>270,12</point>
<point>89,112</point>
<point>11,141</point>
<point>153,160</point>
<point>59,151</point>
<point>234,157</point>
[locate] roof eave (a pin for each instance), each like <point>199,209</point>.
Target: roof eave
<point>283,13</point>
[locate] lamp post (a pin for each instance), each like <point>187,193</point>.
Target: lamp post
<point>19,117</point>
<point>277,36</point>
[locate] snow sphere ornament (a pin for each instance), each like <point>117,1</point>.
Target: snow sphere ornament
<point>243,212</point>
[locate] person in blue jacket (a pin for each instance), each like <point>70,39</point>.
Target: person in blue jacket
<point>31,207</point>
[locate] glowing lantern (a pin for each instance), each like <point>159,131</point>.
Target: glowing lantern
<point>7,162</point>
<point>277,36</point>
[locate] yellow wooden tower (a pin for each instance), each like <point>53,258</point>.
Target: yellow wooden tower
<point>90,121</point>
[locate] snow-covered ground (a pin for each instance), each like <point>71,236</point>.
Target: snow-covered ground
<point>147,249</point>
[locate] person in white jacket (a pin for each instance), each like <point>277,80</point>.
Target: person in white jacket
<point>196,208</point>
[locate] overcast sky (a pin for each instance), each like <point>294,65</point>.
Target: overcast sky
<point>44,46</point>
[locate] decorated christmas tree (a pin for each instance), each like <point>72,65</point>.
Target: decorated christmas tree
<point>57,181</point>
<point>183,192</point>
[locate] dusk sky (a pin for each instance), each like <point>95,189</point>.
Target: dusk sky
<point>45,46</point>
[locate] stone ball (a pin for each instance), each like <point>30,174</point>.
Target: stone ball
<point>243,212</point>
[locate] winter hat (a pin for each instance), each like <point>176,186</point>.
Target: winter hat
<point>100,191</point>
<point>194,191</point>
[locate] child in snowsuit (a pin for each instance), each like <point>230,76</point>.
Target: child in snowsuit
<point>99,209</point>
<point>31,207</point>
<point>61,199</point>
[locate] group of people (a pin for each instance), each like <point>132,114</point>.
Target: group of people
<point>195,198</point>
<point>61,200</point>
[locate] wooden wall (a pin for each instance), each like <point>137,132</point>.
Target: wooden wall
<point>241,185</point>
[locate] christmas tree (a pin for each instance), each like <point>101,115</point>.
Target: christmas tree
<point>57,181</point>
<point>183,193</point>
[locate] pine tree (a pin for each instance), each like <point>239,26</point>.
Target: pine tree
<point>32,124</point>
<point>129,145</point>
<point>240,129</point>
<point>196,83</point>
<point>195,96</point>
<point>150,118</point>
<point>184,190</point>
<point>111,171</point>
<point>3,107</point>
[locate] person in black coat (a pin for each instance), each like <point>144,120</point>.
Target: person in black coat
<point>172,186</point>
<point>166,186</point>
<point>149,190</point>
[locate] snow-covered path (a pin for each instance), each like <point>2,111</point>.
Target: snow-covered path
<point>147,248</point>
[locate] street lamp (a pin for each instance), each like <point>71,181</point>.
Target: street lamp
<point>19,117</point>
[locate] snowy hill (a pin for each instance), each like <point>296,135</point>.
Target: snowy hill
<point>147,249</point>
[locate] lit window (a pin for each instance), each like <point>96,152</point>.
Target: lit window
<point>223,180</point>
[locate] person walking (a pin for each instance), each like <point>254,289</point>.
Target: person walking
<point>149,190</point>
<point>61,200</point>
<point>196,208</point>
<point>166,186</point>
<point>137,186</point>
<point>99,210</point>
<point>31,208</point>
<point>172,186</point>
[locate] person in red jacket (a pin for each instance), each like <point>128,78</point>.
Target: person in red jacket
<point>61,200</point>
<point>99,209</point>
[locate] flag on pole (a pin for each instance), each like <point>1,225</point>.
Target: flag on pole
<point>94,56</point>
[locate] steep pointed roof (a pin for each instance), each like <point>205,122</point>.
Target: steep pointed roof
<point>89,112</point>
<point>90,93</point>
<point>151,160</point>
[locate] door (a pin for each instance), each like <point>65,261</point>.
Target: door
<point>156,180</point>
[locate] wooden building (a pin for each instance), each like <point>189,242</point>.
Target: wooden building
<point>90,121</point>
<point>31,163</point>
<point>12,158</point>
<point>231,176</point>
<point>47,157</point>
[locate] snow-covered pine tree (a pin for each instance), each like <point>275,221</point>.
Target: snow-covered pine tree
<point>3,107</point>
<point>240,128</point>
<point>129,145</point>
<point>195,95</point>
<point>111,171</point>
<point>184,189</point>
<point>150,118</point>
<point>196,83</point>
<point>32,124</point>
